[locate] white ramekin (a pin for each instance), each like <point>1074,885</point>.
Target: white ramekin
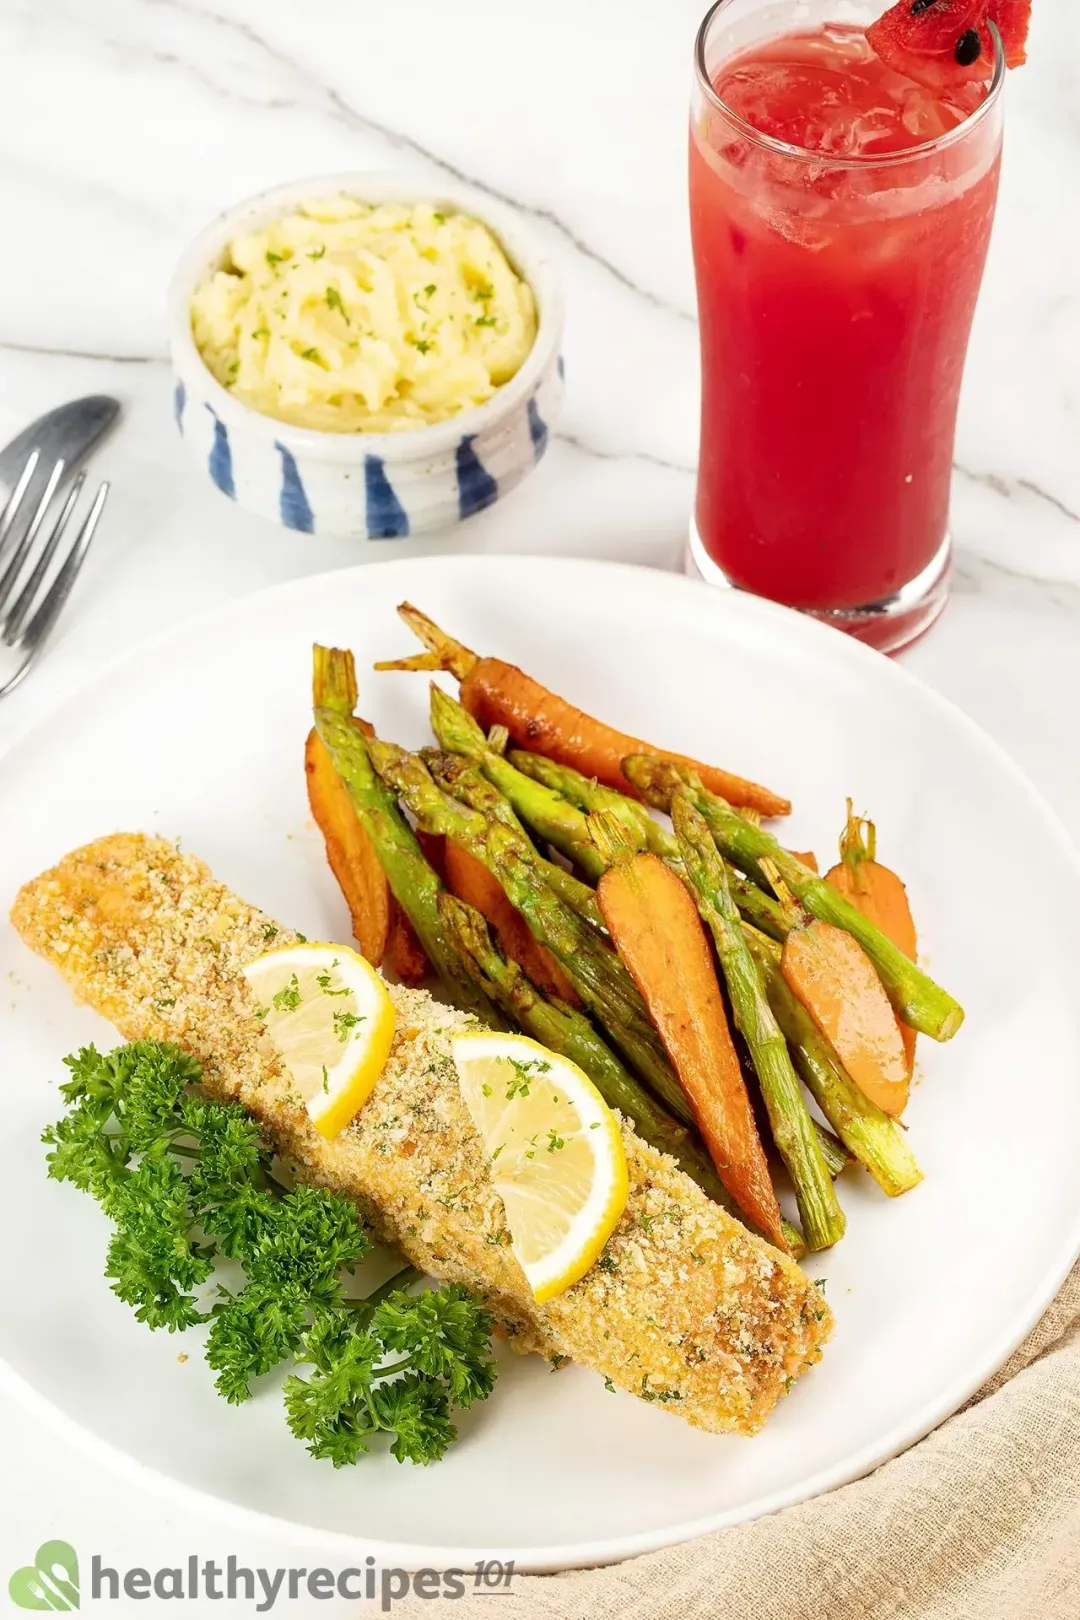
<point>367,486</point>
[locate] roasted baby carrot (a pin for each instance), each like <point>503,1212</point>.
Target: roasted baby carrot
<point>838,985</point>
<point>878,893</point>
<point>499,694</point>
<point>659,935</point>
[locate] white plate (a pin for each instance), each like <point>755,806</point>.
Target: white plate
<point>201,736</point>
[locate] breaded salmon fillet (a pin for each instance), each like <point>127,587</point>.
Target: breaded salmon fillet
<point>684,1307</point>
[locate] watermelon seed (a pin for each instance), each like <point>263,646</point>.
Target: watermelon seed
<point>919,6</point>
<point>968,48</point>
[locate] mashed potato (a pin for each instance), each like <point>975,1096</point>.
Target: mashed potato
<point>356,318</point>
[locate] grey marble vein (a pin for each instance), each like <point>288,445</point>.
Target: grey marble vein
<point>646,456</point>
<point>1007,488</point>
<point>340,109</point>
<point>977,576</point>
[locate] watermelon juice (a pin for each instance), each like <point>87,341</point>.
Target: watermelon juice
<point>840,215</point>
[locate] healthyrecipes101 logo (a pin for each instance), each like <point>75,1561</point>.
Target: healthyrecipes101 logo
<point>51,1582</point>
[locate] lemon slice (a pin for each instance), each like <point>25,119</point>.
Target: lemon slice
<point>328,1014</point>
<point>555,1152</point>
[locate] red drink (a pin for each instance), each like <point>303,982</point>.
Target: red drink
<point>840,215</point>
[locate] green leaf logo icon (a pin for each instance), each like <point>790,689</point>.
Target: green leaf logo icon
<point>50,1582</point>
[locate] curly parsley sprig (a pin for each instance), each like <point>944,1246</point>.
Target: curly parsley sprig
<point>186,1182</point>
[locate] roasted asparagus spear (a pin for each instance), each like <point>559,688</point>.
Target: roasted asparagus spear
<point>549,815</point>
<point>463,780</point>
<point>789,1120</point>
<point>414,883</point>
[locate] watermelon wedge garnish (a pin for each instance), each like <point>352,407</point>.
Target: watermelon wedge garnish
<point>946,43</point>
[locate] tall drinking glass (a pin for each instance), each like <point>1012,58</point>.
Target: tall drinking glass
<point>837,266</point>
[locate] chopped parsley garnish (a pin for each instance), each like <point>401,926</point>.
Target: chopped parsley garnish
<point>317,253</point>
<point>607,1262</point>
<point>484,320</point>
<point>323,981</point>
<point>521,1082</point>
<point>261,332</point>
<point>555,1142</point>
<point>344,1022</point>
<point>421,345</point>
<point>429,289</point>
<point>325,1078</point>
<point>261,1013</point>
<point>609,1386</point>
<point>186,1183</point>
<point>273,258</point>
<point>316,358</point>
<point>163,1002</point>
<point>288,998</point>
<point>333,301</point>
<point>301,937</point>
<point>440,219</point>
<point>269,931</point>
<point>664,1395</point>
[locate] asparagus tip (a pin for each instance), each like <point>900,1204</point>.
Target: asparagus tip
<point>454,725</point>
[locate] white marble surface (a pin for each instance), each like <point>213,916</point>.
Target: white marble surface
<point>124,124</point>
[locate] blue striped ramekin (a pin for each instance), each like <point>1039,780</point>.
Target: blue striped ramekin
<point>367,486</point>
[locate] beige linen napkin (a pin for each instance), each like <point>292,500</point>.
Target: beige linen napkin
<point>980,1521</point>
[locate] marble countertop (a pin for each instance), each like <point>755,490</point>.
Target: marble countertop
<point>124,125</point>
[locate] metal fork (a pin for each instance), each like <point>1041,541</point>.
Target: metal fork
<point>30,607</point>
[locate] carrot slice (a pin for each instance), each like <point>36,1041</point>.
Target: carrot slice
<point>349,851</point>
<point>838,985</point>
<point>380,927</point>
<point>434,848</point>
<point>879,894</point>
<point>660,937</point>
<point>499,694</point>
<point>470,880</point>
<point>405,956</point>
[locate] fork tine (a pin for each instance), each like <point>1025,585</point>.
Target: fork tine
<point>14,567</point>
<point>15,499</point>
<point>17,617</point>
<point>40,626</point>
